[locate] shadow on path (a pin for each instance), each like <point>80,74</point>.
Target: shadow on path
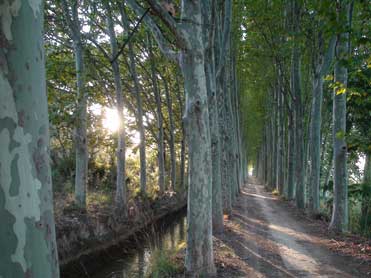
<point>271,243</point>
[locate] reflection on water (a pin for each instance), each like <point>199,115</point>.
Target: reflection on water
<point>161,236</point>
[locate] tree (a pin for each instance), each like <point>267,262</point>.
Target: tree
<point>139,112</point>
<point>26,203</point>
<point>321,65</point>
<point>189,39</point>
<point>211,25</point>
<point>71,16</point>
<point>160,136</point>
<point>121,195</point>
<point>297,106</point>
<point>169,106</point>
<point>339,220</point>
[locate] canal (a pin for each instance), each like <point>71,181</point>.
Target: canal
<point>132,257</point>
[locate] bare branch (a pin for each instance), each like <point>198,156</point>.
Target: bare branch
<point>155,30</point>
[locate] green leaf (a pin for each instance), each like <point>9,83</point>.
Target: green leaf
<point>340,134</point>
<point>340,91</point>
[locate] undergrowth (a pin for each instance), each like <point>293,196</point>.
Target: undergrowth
<point>165,263</point>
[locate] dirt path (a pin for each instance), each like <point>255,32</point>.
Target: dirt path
<point>264,239</point>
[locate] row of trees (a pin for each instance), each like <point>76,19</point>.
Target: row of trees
<point>297,53</point>
<point>89,45</point>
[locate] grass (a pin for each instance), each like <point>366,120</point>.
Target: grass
<point>65,203</point>
<point>99,198</point>
<point>165,263</point>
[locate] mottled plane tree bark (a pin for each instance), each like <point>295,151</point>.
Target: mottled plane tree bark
<point>339,219</point>
<point>210,21</point>
<point>297,106</point>
<point>321,65</point>
<point>27,231</point>
<point>222,55</point>
<point>71,14</point>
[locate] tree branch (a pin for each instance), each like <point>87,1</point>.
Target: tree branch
<point>156,32</point>
<point>169,21</point>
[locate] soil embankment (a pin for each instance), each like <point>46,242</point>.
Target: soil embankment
<point>83,237</point>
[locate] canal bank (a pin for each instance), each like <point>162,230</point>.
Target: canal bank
<point>87,243</point>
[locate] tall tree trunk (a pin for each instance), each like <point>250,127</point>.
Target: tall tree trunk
<point>27,233</point>
<point>366,199</point>
<point>139,113</point>
<point>217,205</point>
<point>315,144</point>
<point>183,142</point>
<point>235,116</point>
<point>81,140</point>
<point>230,142</point>
<point>199,256</point>
<point>182,159</point>
<point>322,66</point>
<point>285,134</point>
<point>339,220</point>
<point>160,136</point>
<point>265,157</point>
<point>269,143</point>
<point>225,183</point>
<point>232,146</point>
<point>199,259</point>
<point>274,140</point>
<point>256,169</point>
<point>281,144</point>
<point>120,197</point>
<point>298,110</point>
<point>328,172</point>
<point>291,157</point>
<point>169,105</point>
<point>221,55</point>
<point>209,25</point>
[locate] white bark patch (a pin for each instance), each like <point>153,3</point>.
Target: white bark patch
<point>26,203</point>
<point>7,105</point>
<point>9,9</point>
<point>35,6</point>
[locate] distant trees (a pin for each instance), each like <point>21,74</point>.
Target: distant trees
<point>286,98</point>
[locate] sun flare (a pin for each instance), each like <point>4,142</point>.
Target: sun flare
<point>111,120</point>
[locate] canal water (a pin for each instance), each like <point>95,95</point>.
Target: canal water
<point>133,258</point>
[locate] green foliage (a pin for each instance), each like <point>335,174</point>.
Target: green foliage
<point>359,195</point>
<point>340,134</point>
<point>62,100</point>
<point>163,266</point>
<point>99,198</point>
<point>165,263</point>
<point>264,37</point>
